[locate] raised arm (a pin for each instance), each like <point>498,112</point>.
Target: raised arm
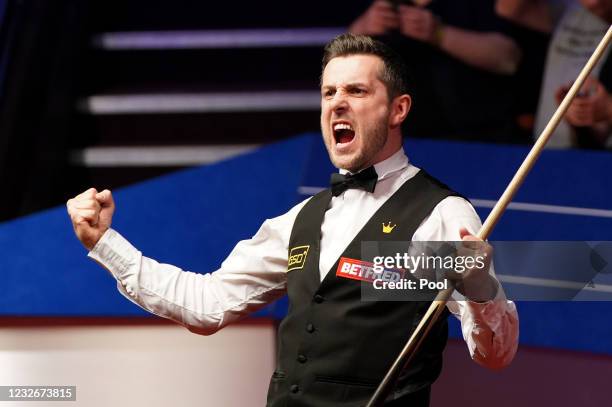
<point>253,275</point>
<point>492,51</point>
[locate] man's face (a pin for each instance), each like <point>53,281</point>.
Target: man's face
<point>355,111</point>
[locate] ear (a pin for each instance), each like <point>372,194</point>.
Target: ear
<point>400,106</point>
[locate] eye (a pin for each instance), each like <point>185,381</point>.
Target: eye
<point>328,93</point>
<point>357,91</point>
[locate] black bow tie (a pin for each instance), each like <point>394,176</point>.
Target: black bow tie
<point>365,180</point>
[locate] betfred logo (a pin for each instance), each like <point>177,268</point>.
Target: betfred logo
<point>364,271</point>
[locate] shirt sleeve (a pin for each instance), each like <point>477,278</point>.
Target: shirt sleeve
<point>253,275</point>
<point>490,329</point>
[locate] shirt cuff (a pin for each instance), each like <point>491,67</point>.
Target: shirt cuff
<point>483,311</point>
<point>115,254</point>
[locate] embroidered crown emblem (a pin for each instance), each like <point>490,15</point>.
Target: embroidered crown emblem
<point>388,228</point>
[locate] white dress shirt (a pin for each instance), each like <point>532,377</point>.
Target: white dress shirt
<point>255,272</point>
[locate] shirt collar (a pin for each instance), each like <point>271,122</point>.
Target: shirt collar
<point>398,161</point>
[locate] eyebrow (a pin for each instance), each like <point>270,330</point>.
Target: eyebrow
<point>348,85</point>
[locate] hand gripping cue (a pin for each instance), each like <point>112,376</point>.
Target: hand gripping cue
<point>437,306</point>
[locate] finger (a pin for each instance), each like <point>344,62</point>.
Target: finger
<point>382,5</point>
<point>388,15</point>
<point>390,21</point>
<point>412,17</point>
<point>406,8</point>
<point>387,21</point>
<point>90,193</point>
<point>453,275</point>
<point>86,216</point>
<point>410,29</point>
<point>589,82</point>
<point>420,31</point>
<point>390,25</point>
<point>105,198</point>
<point>470,245</point>
<point>75,212</point>
<point>584,112</point>
<point>75,206</point>
<point>414,25</point>
<point>587,91</point>
<point>473,246</point>
<point>463,232</point>
<point>470,241</point>
<point>582,121</point>
<point>413,13</point>
<point>581,102</point>
<point>580,113</point>
<point>576,121</point>
<point>86,204</point>
<point>598,87</point>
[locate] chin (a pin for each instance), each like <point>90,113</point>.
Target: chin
<point>351,164</point>
<point>340,162</point>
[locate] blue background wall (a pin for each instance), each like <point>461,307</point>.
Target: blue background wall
<point>193,218</point>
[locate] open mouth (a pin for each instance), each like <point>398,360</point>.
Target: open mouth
<point>343,133</point>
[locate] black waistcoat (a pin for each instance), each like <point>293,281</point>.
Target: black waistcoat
<point>334,348</point>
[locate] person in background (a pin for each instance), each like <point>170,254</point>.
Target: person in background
<point>463,60</point>
<point>577,26</point>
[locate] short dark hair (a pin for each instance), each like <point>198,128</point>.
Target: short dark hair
<point>394,74</point>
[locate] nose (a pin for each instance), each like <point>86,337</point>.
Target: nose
<point>339,102</point>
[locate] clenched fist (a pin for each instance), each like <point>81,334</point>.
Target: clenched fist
<point>378,19</point>
<point>591,106</point>
<point>419,23</point>
<point>91,213</point>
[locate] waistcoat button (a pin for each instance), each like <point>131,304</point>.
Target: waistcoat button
<point>302,359</point>
<point>318,298</point>
<point>310,328</point>
<point>294,388</point>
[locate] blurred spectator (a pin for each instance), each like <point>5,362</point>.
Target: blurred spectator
<point>462,61</point>
<point>577,26</point>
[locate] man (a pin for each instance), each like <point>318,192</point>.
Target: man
<point>333,347</point>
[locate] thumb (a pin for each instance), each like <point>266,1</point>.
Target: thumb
<point>589,87</point>
<point>589,82</point>
<point>463,232</point>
